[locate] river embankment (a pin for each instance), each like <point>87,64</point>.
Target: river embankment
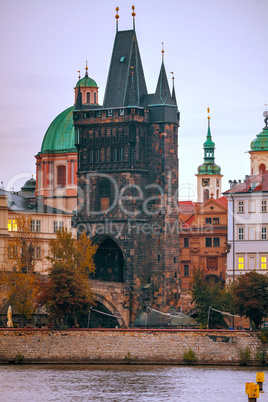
<point>131,346</point>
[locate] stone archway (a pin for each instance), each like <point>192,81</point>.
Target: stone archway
<point>109,260</point>
<point>104,314</point>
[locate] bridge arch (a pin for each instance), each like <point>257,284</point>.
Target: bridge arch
<point>106,312</point>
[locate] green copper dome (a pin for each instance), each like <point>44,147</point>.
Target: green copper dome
<point>209,143</point>
<point>60,135</point>
<point>261,141</point>
<point>86,82</point>
<point>209,168</point>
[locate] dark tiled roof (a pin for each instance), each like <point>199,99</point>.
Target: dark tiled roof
<point>162,94</point>
<point>17,203</point>
<point>126,83</point>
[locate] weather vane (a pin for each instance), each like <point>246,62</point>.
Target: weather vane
<point>163,51</point>
<point>79,74</point>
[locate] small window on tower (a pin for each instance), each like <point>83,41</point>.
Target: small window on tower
<point>88,97</point>
<point>61,176</point>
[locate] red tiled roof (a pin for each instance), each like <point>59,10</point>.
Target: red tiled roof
<point>188,223</point>
<point>186,206</point>
<point>261,179</point>
<point>223,200</point>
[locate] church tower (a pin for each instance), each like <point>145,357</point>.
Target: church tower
<point>209,174</point>
<point>128,181</point>
<point>259,150</point>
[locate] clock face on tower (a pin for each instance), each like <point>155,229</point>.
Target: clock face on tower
<point>205,182</point>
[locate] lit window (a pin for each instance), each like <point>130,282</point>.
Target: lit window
<point>12,225</point>
<point>240,233</point>
<point>241,206</point>
<point>36,226</point>
<point>263,233</point>
<point>263,206</point>
<point>240,262</point>
<point>263,262</point>
<point>58,226</point>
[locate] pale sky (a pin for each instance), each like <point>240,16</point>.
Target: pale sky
<point>216,49</point>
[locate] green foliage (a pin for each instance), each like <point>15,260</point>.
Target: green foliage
<point>127,357</point>
<point>17,273</point>
<point>207,292</point>
<point>244,355</point>
<point>251,296</point>
<point>189,356</point>
<point>263,336</point>
<point>67,292</point>
<point>19,358</point>
<point>261,356</point>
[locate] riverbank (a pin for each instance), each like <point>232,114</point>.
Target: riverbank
<point>129,346</point>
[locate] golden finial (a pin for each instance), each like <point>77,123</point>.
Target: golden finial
<point>86,68</point>
<point>133,15</point>
<point>78,74</point>
<point>117,16</point>
<point>208,110</point>
<point>163,51</point>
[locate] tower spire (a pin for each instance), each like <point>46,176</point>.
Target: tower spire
<point>117,17</point>
<point>173,88</point>
<point>133,15</point>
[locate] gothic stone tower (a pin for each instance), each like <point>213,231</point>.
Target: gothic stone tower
<point>128,181</point>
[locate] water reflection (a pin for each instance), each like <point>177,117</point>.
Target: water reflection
<point>125,383</point>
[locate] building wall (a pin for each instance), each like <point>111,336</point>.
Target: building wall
<point>47,188</point>
<point>9,217</point>
<point>250,242</point>
<point>127,346</point>
<point>195,253</point>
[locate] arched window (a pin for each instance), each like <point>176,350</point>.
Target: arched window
<point>217,194</point>
<point>205,195</point>
<point>61,176</point>
<point>88,97</point>
<point>109,262</point>
<point>262,168</point>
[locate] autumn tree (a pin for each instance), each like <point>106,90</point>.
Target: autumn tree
<point>208,292</point>
<point>251,296</point>
<point>67,292</point>
<point>17,275</point>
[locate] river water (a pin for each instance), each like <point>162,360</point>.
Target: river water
<point>126,383</point>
